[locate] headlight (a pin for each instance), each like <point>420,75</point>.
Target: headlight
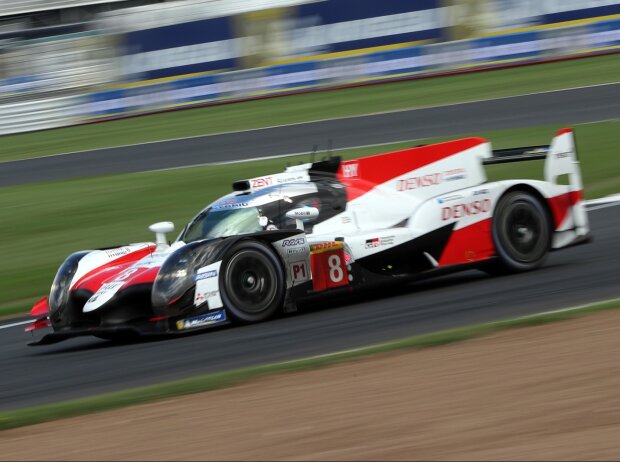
<point>176,275</point>
<point>60,287</point>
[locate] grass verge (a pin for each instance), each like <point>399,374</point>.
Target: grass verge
<point>109,401</point>
<point>48,221</point>
<point>317,105</point>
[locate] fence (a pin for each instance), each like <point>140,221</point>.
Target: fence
<point>410,62</point>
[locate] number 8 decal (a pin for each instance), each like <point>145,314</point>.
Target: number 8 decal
<point>329,269</point>
<point>335,271</point>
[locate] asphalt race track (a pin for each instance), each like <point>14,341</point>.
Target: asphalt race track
<point>84,366</point>
<point>567,107</point>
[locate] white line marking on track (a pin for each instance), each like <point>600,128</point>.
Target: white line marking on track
<point>305,153</point>
<point>395,111</point>
<point>604,206</point>
<point>276,156</point>
<point>564,310</point>
<point>21,323</point>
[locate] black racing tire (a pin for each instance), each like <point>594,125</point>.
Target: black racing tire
<point>522,233</point>
<point>252,282</point>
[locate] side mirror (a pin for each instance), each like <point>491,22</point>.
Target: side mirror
<point>301,214</point>
<point>160,229</point>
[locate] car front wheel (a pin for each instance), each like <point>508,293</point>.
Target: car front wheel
<point>252,282</point>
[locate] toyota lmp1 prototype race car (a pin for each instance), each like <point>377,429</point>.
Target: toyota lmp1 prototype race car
<point>325,227</point>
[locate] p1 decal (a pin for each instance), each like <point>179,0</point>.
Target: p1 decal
<point>299,271</point>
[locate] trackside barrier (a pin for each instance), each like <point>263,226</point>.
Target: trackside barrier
<point>423,60</point>
<point>40,114</point>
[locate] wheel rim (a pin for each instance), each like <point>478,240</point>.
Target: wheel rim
<point>250,280</point>
<point>522,231</point>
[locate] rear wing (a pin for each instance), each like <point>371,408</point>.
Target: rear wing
<point>504,156</point>
<point>560,161</point>
<point>560,158</point>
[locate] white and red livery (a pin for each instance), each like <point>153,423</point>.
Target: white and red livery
<point>324,227</point>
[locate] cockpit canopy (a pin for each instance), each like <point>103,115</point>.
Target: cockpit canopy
<point>213,222</point>
<point>242,212</point>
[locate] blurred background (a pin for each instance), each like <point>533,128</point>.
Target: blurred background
<point>65,62</point>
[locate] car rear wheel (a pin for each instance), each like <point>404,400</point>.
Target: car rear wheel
<point>252,282</point>
<point>521,232</point>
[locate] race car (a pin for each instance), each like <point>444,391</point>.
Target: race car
<point>323,228</point>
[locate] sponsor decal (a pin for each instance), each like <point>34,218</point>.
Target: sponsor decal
<point>372,243</point>
<point>228,205</point>
<point>199,298</point>
<point>283,178</point>
<point>299,271</point>
<point>454,174</point>
<point>387,240</point>
<point>280,178</point>
<point>419,182</point>
<point>301,213</point>
<point>207,286</point>
<point>346,219</point>
<point>431,179</point>
<point>562,155</point>
<point>261,182</point>
<point>379,241</point>
<point>465,209</point>
<point>480,192</point>
<point>295,241</point>
<point>296,250</point>
<point>202,320</point>
<point>103,295</point>
<point>205,275</point>
<point>107,287</point>
<point>324,246</point>
<point>204,296</point>
<point>350,170</point>
<point>115,253</point>
<point>453,197</point>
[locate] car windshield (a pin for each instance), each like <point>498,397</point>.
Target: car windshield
<point>221,223</point>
